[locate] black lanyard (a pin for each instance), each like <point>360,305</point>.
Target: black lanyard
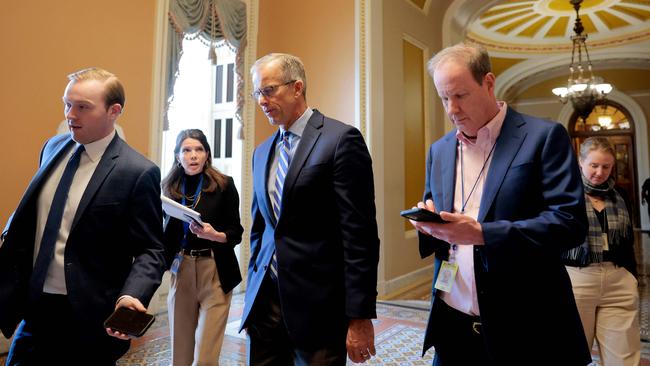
<point>462,177</point>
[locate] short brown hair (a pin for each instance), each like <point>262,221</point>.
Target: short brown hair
<point>473,56</point>
<point>114,89</point>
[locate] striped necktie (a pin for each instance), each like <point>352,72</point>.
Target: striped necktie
<point>284,160</point>
<point>53,223</point>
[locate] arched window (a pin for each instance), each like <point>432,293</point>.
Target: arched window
<point>612,121</point>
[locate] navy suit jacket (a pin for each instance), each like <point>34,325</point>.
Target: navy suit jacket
<point>532,209</point>
<point>115,244</point>
<point>325,237</point>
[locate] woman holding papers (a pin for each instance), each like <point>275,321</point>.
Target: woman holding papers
<point>201,257</point>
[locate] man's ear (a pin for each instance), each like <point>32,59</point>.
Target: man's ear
<point>299,87</point>
<point>115,110</point>
<point>490,79</point>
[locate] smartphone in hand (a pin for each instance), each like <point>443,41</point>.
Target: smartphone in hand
<point>128,321</point>
<point>420,214</point>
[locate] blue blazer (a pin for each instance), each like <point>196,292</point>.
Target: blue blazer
<point>532,209</point>
<point>115,244</point>
<point>325,237</point>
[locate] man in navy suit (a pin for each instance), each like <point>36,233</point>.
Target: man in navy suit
<point>312,275</point>
<point>60,278</point>
<point>509,186</point>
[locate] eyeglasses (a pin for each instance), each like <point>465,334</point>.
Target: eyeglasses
<point>268,91</point>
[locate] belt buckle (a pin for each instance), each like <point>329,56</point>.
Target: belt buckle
<point>476,327</point>
<point>195,253</point>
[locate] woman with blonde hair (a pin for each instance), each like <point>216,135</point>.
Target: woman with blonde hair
<point>603,268</point>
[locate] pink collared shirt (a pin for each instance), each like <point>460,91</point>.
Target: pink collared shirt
<point>475,153</point>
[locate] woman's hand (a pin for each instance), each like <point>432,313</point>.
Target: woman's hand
<point>208,232</point>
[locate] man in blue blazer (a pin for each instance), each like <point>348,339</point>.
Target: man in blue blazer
<point>509,186</point>
<point>61,278</point>
<point>312,274</point>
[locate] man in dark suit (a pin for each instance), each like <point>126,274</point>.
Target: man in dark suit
<point>85,239</point>
<point>509,186</point>
<point>312,275</point>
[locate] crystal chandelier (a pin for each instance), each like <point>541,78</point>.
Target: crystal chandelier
<point>583,88</point>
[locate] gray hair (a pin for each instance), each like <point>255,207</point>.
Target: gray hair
<point>291,66</point>
<point>475,57</point>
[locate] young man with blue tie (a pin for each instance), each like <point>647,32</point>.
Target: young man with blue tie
<point>85,239</point>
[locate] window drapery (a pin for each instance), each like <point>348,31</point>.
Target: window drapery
<point>211,21</point>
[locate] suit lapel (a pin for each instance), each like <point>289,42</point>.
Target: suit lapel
<point>508,144</point>
<point>105,166</point>
<point>307,142</point>
<point>263,162</point>
<point>46,167</point>
<point>448,170</point>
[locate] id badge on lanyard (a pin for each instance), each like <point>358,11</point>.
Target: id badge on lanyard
<point>447,273</point>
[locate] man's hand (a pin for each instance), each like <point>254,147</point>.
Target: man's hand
<point>129,302</point>
<point>361,340</point>
<point>460,229</point>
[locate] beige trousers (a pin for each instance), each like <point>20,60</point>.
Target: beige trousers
<point>608,302</point>
<point>198,312</point>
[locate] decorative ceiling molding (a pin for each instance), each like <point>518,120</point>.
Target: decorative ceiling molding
<point>545,26</point>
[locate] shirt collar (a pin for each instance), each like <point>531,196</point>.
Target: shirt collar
<point>298,127</point>
<point>487,135</point>
<point>96,149</point>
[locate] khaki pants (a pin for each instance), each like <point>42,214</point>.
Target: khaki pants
<point>608,302</point>
<point>198,312</point>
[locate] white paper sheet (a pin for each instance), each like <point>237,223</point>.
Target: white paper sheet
<point>175,209</point>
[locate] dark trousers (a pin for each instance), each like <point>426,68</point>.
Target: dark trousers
<point>52,334</point>
<point>459,341</point>
<point>269,343</point>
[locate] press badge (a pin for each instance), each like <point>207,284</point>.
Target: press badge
<point>446,276</point>
<point>605,242</point>
<point>176,264</point>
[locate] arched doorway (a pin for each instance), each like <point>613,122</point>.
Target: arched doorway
<point>611,120</point>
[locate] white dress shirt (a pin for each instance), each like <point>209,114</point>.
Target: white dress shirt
<point>55,279</point>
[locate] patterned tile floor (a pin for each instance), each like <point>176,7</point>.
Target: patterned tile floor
<point>399,331</point>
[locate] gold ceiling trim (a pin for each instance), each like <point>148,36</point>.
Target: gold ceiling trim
<point>556,47</point>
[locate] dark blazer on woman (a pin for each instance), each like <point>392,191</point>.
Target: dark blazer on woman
<point>221,210</point>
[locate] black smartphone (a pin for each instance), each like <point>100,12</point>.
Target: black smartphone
<point>420,214</point>
<point>128,321</point>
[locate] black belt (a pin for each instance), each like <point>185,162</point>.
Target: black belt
<point>195,253</point>
<point>458,317</point>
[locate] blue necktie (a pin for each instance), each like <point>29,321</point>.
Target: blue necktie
<point>53,223</point>
<point>284,160</point>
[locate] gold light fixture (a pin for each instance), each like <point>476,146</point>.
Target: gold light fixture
<point>583,89</point>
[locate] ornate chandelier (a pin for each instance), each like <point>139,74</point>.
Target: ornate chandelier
<point>583,88</point>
